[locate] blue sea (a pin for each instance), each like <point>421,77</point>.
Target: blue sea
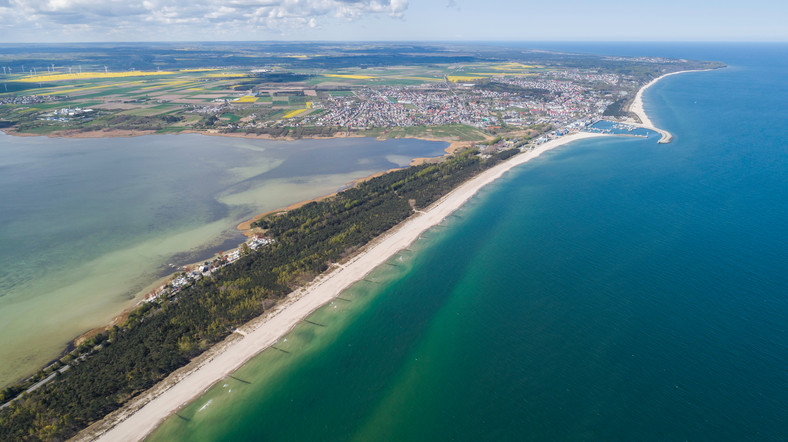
<point>612,289</point>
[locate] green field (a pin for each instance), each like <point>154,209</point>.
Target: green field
<point>340,93</point>
<point>155,110</point>
<point>456,132</point>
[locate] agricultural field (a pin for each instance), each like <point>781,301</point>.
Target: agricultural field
<point>246,99</point>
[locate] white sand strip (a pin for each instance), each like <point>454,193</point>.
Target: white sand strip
<point>637,108</point>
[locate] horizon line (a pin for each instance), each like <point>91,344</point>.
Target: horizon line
<point>628,42</point>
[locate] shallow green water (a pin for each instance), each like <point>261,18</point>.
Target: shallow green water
<point>85,225</point>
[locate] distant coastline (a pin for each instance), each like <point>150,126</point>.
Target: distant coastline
<point>124,133</point>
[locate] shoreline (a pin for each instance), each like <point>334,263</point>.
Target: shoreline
<point>144,413</point>
<point>246,227</point>
<point>636,107</point>
<point>454,144</point>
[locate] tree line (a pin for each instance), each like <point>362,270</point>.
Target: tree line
<point>164,335</point>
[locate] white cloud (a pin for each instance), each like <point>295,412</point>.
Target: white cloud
<point>167,17</point>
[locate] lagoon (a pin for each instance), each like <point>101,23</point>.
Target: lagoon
<point>87,225</point>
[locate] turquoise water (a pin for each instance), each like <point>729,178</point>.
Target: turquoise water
<point>86,224</point>
<point>613,289</point>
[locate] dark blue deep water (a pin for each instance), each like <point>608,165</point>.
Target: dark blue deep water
<point>613,289</point>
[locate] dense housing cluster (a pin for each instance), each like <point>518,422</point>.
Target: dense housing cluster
<point>557,98</point>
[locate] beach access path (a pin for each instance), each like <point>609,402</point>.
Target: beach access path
<point>142,416</point>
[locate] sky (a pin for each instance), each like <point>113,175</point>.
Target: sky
<point>25,21</point>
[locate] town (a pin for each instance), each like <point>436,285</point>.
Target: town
<point>556,99</point>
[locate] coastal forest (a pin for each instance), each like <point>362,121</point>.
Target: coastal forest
<point>163,335</point>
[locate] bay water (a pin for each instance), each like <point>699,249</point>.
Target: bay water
<point>86,225</point>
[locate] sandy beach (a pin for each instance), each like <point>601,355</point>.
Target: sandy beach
<point>143,414</point>
<point>637,108</point>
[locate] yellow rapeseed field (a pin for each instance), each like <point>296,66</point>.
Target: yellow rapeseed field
<point>226,75</point>
<point>246,99</point>
<point>498,74</point>
<point>294,113</point>
<point>456,78</point>
<point>199,70</point>
<point>423,78</point>
<point>353,77</point>
<point>79,89</point>
<point>514,66</point>
<point>89,75</point>
<point>309,105</point>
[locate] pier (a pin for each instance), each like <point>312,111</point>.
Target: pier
<point>667,137</point>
